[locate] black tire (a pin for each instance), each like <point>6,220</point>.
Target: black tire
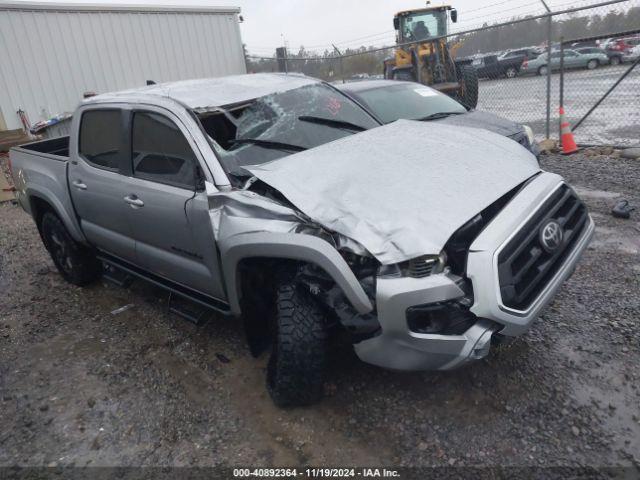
<point>75,262</point>
<point>295,375</point>
<point>614,61</point>
<point>542,70</point>
<point>512,72</point>
<point>592,64</point>
<point>468,78</point>
<point>404,75</point>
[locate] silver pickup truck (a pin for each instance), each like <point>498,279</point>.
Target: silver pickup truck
<point>279,200</point>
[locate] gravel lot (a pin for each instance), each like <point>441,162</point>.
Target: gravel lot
<point>80,386</point>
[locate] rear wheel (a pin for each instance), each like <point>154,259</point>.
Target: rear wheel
<point>295,374</point>
<point>75,262</point>
<point>592,64</point>
<point>468,78</point>
<point>614,61</point>
<point>511,72</point>
<point>543,70</point>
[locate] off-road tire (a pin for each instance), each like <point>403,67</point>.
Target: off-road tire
<point>593,64</point>
<point>75,262</point>
<point>468,78</point>
<point>295,374</point>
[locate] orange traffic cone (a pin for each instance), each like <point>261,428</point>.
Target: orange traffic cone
<point>568,143</point>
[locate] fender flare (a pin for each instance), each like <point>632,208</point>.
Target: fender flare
<point>70,223</point>
<point>289,246</point>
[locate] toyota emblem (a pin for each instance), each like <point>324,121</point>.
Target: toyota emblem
<point>551,236</point>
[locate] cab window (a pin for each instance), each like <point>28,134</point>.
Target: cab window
<point>100,138</point>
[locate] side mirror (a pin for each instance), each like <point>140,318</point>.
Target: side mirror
<point>396,23</point>
<point>454,15</point>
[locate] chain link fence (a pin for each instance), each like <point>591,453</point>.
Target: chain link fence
<point>511,61</point>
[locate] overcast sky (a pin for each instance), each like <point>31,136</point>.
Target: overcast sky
<point>348,23</point>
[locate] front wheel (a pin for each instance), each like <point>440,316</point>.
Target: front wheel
<point>295,374</point>
<point>76,263</point>
<point>468,92</point>
<point>615,61</point>
<point>592,64</point>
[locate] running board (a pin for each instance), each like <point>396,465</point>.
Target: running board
<point>129,269</point>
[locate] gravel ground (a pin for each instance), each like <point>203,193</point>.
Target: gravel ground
<point>81,386</point>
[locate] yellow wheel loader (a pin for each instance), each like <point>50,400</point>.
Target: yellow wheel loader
<point>423,55</point>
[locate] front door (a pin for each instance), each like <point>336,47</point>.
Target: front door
<point>167,209</point>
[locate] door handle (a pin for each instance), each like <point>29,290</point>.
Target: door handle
<point>134,201</point>
<point>79,185</point>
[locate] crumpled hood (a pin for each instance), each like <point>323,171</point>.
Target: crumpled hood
<point>486,120</point>
<point>403,189</point>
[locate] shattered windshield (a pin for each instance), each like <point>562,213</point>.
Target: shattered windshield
<point>282,123</point>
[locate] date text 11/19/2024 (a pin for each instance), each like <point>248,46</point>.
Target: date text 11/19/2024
<point>315,473</point>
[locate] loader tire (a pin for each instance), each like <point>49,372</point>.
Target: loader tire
<point>404,75</point>
<point>295,374</point>
<point>75,262</point>
<point>468,78</point>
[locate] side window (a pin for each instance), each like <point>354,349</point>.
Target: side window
<point>160,152</point>
<point>100,138</point>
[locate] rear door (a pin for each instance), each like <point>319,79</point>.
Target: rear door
<point>95,180</point>
<point>167,205</point>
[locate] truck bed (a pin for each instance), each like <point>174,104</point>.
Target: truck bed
<point>40,173</point>
<point>54,146</point>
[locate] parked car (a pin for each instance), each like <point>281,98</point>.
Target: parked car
<point>632,54</point>
<point>279,200</point>
<point>392,100</point>
<point>491,66</point>
<point>614,57</point>
<point>622,45</point>
<point>572,59</point>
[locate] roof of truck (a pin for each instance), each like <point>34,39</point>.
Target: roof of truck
<point>210,93</point>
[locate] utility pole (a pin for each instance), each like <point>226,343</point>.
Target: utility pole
<point>341,64</point>
<point>549,17</point>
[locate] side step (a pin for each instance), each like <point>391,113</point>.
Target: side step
<point>191,311</point>
<point>116,276</point>
<point>183,301</point>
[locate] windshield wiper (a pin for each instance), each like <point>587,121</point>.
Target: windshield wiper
<point>268,144</point>
<point>330,122</point>
<point>437,115</point>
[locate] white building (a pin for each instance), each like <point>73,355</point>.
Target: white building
<point>52,53</point>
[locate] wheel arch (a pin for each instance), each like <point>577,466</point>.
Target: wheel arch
<point>252,247</point>
<point>40,202</point>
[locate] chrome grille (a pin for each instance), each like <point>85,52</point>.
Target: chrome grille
<point>524,266</point>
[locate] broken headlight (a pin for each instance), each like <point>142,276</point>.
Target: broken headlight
<point>418,267</point>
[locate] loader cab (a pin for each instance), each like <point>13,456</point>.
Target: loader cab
<point>424,24</point>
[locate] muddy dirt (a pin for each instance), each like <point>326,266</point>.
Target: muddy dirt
<point>82,386</point>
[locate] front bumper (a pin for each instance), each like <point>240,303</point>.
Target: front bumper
<point>398,347</point>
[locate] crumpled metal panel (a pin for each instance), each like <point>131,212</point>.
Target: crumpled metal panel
<point>210,93</point>
<point>403,189</point>
<point>241,211</point>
